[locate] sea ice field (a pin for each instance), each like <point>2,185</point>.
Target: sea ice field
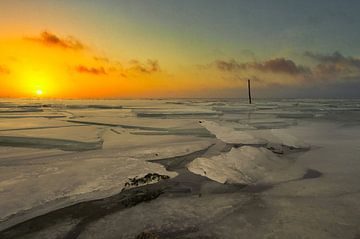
<point>187,168</point>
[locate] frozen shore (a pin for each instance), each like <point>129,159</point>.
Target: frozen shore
<point>82,169</point>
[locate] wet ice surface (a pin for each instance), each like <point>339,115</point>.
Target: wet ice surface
<point>257,165</point>
<point>274,169</point>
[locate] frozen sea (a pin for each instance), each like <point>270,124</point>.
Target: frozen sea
<point>180,168</point>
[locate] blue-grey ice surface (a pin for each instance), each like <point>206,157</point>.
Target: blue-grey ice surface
<point>256,161</point>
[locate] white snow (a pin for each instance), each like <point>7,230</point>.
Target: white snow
<point>230,136</point>
<point>27,186</point>
<point>36,180</point>
<point>245,165</point>
<point>288,139</point>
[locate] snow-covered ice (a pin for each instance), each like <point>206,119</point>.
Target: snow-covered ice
<point>280,169</point>
<point>245,165</point>
<point>230,136</point>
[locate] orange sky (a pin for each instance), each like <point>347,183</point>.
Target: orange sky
<point>52,66</point>
<point>159,48</point>
<point>60,69</point>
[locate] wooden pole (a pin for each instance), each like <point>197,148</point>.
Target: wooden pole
<point>249,90</point>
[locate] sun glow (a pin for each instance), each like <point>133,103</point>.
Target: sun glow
<point>39,92</point>
<point>33,69</point>
<point>37,80</point>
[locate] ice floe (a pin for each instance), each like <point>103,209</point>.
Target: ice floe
<point>244,165</point>
<point>23,187</point>
<point>69,151</point>
<point>289,140</point>
<point>231,136</point>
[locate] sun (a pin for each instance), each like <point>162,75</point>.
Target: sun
<point>39,92</point>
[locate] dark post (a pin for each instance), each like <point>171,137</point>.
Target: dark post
<point>249,89</point>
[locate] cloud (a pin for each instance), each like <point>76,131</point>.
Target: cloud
<point>4,70</point>
<point>281,65</point>
<point>150,66</point>
<point>91,70</point>
<point>50,39</point>
<point>277,65</point>
<point>106,66</point>
<point>230,65</point>
<point>334,66</point>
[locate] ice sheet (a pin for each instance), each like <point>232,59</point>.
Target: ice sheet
<point>23,187</point>
<point>246,165</point>
<point>230,136</point>
<point>280,202</point>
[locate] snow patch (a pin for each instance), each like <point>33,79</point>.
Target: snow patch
<point>231,136</point>
<point>289,140</point>
<point>23,187</point>
<point>245,165</point>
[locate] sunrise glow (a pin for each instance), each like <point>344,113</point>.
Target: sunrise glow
<point>39,92</point>
<point>179,119</point>
<point>182,58</point>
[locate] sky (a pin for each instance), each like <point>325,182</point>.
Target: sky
<point>179,49</point>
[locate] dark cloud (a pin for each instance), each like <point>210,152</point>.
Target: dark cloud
<point>4,70</point>
<point>331,67</point>
<point>150,66</point>
<point>277,65</point>
<point>50,39</point>
<point>280,65</point>
<point>334,58</point>
<point>91,70</point>
<point>111,67</point>
<point>230,65</point>
<point>335,66</point>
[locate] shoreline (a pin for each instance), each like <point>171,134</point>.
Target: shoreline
<point>185,184</point>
